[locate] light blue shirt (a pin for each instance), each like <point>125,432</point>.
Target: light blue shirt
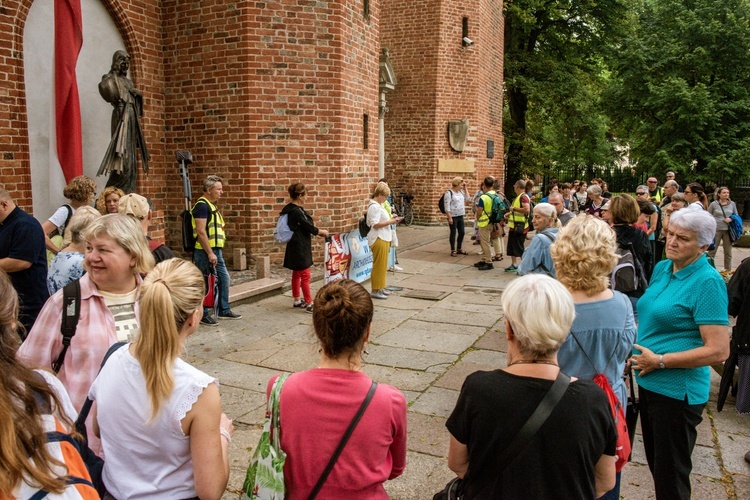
<point>536,258</point>
<point>606,331</point>
<point>674,306</point>
<point>65,267</point>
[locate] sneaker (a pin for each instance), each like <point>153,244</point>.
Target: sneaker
<point>397,268</point>
<point>378,295</point>
<point>230,315</point>
<point>209,321</point>
<point>486,266</point>
<point>511,269</point>
<point>299,304</point>
<point>309,307</point>
<point>384,292</point>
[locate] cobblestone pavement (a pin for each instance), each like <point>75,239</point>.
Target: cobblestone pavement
<point>426,348</point>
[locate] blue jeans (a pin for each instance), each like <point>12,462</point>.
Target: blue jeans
<point>614,493</point>
<point>222,276</point>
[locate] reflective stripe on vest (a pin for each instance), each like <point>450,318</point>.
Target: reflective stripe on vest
<point>214,226</point>
<point>518,217</point>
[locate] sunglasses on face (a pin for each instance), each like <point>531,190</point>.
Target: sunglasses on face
<point>641,194</point>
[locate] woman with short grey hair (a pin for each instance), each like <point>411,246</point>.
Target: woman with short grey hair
<point>536,258</point>
<point>494,405</point>
<point>595,201</point>
<point>682,330</point>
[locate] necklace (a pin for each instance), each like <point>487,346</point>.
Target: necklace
<point>533,362</point>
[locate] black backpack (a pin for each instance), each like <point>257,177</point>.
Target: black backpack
<point>189,239</point>
<point>628,275</point>
<point>441,202</point>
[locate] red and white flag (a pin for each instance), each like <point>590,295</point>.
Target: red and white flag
<point>68,42</point>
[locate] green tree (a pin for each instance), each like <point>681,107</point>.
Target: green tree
<point>680,93</point>
<point>551,48</point>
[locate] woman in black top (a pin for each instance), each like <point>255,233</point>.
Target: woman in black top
<point>572,453</point>
<point>625,211</point>
<point>298,255</point>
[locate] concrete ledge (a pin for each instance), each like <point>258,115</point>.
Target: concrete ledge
<point>254,290</point>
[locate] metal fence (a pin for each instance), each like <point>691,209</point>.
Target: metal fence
<point>619,180</point>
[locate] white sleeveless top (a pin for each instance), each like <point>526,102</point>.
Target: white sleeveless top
<point>145,459</point>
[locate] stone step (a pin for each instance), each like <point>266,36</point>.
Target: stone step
<point>254,290</point>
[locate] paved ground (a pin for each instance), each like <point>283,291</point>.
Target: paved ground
<point>426,348</point>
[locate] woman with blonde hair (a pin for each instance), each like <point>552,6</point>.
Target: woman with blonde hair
<point>379,238</point>
<point>172,413</point>
<point>602,335</point>
<point>34,402</point>
<point>536,258</point>
<point>67,265</point>
<point>109,201</point>
<point>80,191</point>
<point>494,406</point>
<point>116,255</point>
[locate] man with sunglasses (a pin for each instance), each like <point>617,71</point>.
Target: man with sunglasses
<point>654,191</point>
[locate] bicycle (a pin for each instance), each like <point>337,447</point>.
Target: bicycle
<point>406,209</point>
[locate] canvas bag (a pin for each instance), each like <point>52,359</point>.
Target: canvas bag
<point>264,479</point>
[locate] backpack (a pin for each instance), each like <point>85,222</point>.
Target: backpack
<point>499,208</point>
<point>441,202</point>
<point>283,233</point>
<point>530,215</point>
<point>189,238</point>
<point>628,275</point>
<point>622,446</point>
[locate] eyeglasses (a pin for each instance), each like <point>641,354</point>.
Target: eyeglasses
<point>688,192</point>
<point>651,182</point>
<point>641,194</point>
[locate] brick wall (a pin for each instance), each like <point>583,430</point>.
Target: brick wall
<point>269,93</point>
<point>440,80</point>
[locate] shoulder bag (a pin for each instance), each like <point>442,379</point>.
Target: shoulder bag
<point>454,489</point>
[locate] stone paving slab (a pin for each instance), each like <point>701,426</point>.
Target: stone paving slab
<point>408,358</point>
<point>431,326</point>
<point>253,378</point>
<point>258,351</point>
<point>423,340</point>
<point>474,297</point>
<point>440,315</point>
<point>406,380</point>
<point>493,341</point>
<point>455,376</point>
<point>442,284</point>
<point>237,402</point>
<point>436,401</point>
<point>294,358</point>
<point>424,476</point>
<point>403,303</point>
<point>427,434</point>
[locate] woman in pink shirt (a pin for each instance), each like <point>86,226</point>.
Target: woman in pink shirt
<point>116,254</point>
<point>330,395</point>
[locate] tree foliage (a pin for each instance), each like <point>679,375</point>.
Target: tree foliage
<point>553,59</point>
<point>680,92</point>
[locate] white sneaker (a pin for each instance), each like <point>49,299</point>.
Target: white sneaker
<point>378,295</point>
<point>384,292</point>
<point>396,268</point>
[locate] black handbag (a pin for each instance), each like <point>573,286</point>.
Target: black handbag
<point>454,490</point>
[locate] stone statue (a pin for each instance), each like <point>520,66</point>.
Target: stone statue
<point>121,159</point>
<point>457,132</point>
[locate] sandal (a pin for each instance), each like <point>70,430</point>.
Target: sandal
<point>453,253</point>
<point>461,252</point>
<point>497,258</point>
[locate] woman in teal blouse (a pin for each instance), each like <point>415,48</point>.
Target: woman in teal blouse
<point>682,330</point>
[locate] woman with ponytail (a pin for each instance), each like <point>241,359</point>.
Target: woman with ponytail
<point>32,403</point>
<point>330,395</point>
<point>168,438</point>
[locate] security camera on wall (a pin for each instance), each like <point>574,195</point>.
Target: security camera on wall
<point>468,42</point>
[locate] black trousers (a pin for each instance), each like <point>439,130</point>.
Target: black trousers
<point>669,433</point>
<point>457,227</point>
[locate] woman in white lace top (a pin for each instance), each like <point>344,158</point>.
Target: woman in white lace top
<point>168,437</point>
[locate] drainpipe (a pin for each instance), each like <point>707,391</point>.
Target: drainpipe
<point>382,110</point>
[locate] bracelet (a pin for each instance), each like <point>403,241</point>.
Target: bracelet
<point>661,361</point>
<point>225,433</point>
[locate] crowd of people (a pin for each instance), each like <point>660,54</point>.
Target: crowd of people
<point>564,322</point>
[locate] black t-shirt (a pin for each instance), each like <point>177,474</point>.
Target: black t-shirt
<point>560,460</point>
<point>22,238</point>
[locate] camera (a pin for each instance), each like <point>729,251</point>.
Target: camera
<point>468,41</point>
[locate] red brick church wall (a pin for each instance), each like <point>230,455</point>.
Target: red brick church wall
<point>440,80</point>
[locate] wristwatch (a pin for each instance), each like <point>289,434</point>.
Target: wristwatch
<point>661,361</point>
